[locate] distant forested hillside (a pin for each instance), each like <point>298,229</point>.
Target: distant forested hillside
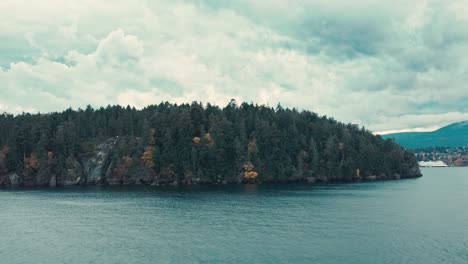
<point>191,143</point>
<point>453,135</point>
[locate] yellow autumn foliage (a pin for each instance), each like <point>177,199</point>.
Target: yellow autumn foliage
<point>249,172</point>
<point>248,166</point>
<point>250,175</point>
<point>147,157</point>
<point>32,162</point>
<point>209,140</point>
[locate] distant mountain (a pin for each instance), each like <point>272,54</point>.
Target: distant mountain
<point>453,135</point>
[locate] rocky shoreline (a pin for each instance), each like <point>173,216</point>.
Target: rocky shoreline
<point>12,181</point>
<point>99,168</point>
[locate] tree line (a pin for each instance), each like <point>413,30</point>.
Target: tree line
<point>195,142</point>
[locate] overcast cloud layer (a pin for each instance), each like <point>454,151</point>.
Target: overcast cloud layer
<point>388,65</point>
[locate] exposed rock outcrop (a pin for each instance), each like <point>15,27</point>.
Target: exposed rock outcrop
<point>95,167</point>
<point>371,178</point>
<point>72,174</point>
<point>10,180</point>
<point>14,179</point>
<point>53,181</point>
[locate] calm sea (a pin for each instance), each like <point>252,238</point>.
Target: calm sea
<point>409,221</point>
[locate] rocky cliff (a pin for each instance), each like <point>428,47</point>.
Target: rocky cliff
<point>92,169</point>
<point>96,166</point>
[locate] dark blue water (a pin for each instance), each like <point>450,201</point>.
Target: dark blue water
<point>409,221</point>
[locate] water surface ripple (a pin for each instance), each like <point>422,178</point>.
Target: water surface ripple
<point>409,221</point>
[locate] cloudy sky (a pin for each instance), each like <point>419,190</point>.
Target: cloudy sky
<point>387,65</point>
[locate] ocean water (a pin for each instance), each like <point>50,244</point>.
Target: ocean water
<point>421,220</point>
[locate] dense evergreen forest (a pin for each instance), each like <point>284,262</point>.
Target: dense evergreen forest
<point>192,143</point>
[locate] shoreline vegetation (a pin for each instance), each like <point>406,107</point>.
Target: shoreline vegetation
<point>170,144</point>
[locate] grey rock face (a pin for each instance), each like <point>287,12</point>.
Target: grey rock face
<point>53,181</point>
<point>95,166</point>
<point>371,178</point>
<point>14,179</point>
<point>311,179</point>
<point>73,172</point>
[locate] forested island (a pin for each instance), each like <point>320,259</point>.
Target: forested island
<point>170,144</point>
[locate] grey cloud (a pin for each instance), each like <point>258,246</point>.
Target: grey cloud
<point>386,65</point>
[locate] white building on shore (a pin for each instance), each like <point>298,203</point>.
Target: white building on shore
<point>437,163</point>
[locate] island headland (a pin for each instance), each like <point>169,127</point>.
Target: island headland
<point>170,144</point>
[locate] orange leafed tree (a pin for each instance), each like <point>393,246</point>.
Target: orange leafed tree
<point>123,165</point>
<point>147,156</point>
<point>250,175</point>
<point>209,140</point>
<point>249,172</point>
<point>248,166</point>
<point>32,162</point>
